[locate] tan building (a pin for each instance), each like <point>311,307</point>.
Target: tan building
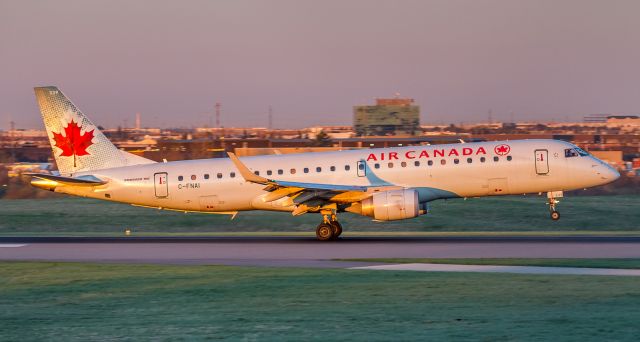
<point>396,116</point>
<point>611,157</point>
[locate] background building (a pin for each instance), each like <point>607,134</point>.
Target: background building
<point>395,116</point>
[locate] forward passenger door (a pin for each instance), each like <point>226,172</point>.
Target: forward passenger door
<point>542,162</point>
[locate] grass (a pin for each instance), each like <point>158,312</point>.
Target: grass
<point>590,263</point>
<point>70,215</point>
<point>74,301</point>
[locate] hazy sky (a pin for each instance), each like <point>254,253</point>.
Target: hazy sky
<point>313,60</point>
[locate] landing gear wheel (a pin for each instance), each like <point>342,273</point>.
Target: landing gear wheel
<point>553,202</point>
<point>337,228</point>
<point>324,232</point>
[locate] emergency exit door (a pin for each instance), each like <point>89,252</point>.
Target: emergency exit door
<point>542,162</point>
<point>161,184</point>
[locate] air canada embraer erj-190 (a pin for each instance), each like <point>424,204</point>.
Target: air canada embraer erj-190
<point>384,183</point>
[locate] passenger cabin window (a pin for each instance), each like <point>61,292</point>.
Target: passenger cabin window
<point>232,175</point>
<point>219,175</point>
<point>280,172</point>
<point>509,158</point>
<point>390,165</point>
<point>430,162</point>
<point>416,163</point>
<point>318,169</point>
<point>333,168</point>
<point>257,173</point>
<point>469,160</point>
<point>482,159</point>
<point>347,167</point>
<point>206,176</point>
<point>443,161</point>
<point>180,178</point>
<point>456,161</point>
<point>193,177</point>
<point>376,165</point>
<point>292,171</point>
<point>269,173</point>
<point>403,164</point>
<point>306,170</point>
<point>495,159</point>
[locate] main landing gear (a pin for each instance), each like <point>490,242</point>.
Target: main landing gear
<point>552,195</point>
<point>329,228</point>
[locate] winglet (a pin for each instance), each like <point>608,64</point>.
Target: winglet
<point>245,172</point>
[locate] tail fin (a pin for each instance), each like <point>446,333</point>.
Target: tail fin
<point>78,145</point>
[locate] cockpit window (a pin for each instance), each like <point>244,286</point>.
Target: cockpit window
<point>581,152</point>
<point>575,152</point>
<point>569,152</point>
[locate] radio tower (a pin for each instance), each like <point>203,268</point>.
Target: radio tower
<point>218,106</point>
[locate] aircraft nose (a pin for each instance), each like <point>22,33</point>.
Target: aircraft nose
<point>607,173</point>
<point>613,173</point>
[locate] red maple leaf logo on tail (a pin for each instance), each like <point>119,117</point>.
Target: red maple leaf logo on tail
<point>73,143</point>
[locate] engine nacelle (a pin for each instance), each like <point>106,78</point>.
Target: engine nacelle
<point>392,205</point>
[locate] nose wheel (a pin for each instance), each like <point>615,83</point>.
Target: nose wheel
<point>329,228</point>
<point>552,196</point>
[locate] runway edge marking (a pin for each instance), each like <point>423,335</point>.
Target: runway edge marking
<point>420,267</point>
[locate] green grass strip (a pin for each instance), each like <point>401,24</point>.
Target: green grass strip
<point>88,302</point>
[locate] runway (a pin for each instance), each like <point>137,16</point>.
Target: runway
<point>305,251</point>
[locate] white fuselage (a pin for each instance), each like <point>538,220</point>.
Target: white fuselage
<point>215,185</point>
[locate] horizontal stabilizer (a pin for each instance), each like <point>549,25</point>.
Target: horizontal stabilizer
<point>87,180</point>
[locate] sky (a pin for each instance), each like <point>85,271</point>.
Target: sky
<point>312,61</point>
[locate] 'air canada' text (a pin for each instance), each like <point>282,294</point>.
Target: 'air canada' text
<point>414,154</point>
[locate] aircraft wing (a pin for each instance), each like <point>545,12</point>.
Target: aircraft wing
<point>308,191</point>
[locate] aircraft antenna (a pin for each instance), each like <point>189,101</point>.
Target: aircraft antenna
<point>218,107</point>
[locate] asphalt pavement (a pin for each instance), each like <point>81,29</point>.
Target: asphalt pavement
<point>295,251</point>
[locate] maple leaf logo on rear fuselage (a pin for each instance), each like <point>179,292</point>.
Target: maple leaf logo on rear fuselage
<point>73,143</point>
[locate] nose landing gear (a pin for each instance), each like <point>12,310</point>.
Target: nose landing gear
<point>329,228</point>
<point>552,195</point>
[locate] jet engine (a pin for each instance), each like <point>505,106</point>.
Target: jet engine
<point>392,205</point>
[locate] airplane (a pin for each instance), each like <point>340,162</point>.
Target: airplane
<point>382,183</point>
